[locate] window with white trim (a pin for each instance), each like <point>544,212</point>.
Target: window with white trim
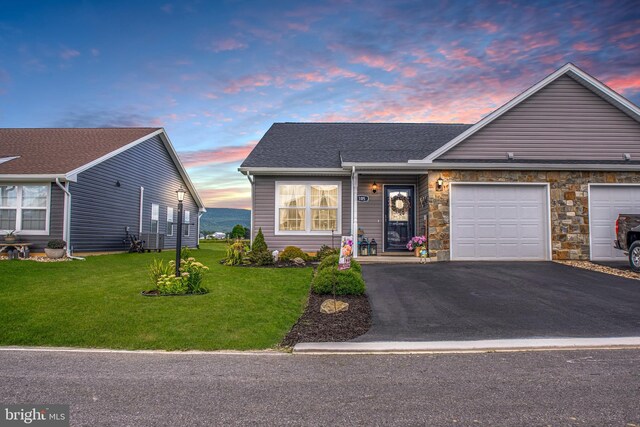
<point>24,208</point>
<point>169,221</point>
<point>155,216</point>
<point>186,226</point>
<point>308,207</point>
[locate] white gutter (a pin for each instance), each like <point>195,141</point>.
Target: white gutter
<point>354,209</point>
<point>533,166</point>
<point>252,181</point>
<point>293,171</point>
<point>66,222</point>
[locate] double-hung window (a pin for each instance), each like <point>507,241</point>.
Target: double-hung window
<point>186,225</point>
<point>169,221</point>
<point>24,208</point>
<point>155,216</point>
<point>308,207</point>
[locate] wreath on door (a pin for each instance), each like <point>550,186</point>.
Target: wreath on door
<point>400,204</point>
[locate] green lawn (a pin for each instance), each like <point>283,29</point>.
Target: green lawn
<point>97,303</point>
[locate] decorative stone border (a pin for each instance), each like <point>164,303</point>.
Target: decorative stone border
<point>38,259</point>
<point>588,265</point>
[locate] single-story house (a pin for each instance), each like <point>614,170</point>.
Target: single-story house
<point>542,177</point>
<point>86,186</point>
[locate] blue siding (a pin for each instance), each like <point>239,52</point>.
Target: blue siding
<point>101,210</point>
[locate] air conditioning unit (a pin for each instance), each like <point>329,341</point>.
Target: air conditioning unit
<point>153,241</point>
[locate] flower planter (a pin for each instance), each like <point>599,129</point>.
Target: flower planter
<point>54,253</point>
<point>9,239</point>
<point>417,252</point>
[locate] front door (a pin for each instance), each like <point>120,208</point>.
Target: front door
<point>398,217</point>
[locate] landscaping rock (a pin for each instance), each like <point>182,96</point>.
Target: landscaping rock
<point>332,306</point>
<point>298,261</point>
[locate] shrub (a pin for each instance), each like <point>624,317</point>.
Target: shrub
<point>192,273</point>
<point>347,282</point>
<point>238,232</point>
<point>260,257</point>
<point>235,253</point>
<point>325,251</point>
<point>171,285</point>
<point>332,261</point>
<point>56,244</point>
<point>159,268</point>
<point>291,252</point>
<point>258,243</point>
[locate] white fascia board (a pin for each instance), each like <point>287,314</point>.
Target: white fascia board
<point>113,153</point>
<point>381,165</point>
<point>534,166</point>
<point>181,169</point>
<point>32,177</point>
<point>567,68</point>
<point>293,171</point>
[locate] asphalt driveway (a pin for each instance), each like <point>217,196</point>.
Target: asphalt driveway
<point>494,300</point>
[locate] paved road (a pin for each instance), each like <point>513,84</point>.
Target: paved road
<point>557,388</point>
<point>494,300</point>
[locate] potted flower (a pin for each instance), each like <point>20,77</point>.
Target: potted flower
<point>10,237</point>
<point>55,248</point>
<point>416,244</point>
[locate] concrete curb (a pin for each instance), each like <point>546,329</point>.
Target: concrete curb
<point>529,344</point>
<point>267,352</point>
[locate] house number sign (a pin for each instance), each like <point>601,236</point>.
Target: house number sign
<point>363,198</point>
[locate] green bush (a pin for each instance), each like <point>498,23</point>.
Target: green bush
<point>235,253</point>
<point>258,243</point>
<point>291,252</point>
<point>54,244</point>
<point>260,257</point>
<point>185,252</point>
<point>171,285</point>
<point>332,261</point>
<point>325,251</point>
<point>347,282</point>
<point>192,273</point>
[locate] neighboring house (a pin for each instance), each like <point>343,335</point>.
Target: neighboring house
<point>86,185</point>
<point>542,177</point>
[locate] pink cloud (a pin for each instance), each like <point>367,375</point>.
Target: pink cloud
<point>227,45</point>
<point>230,197</point>
<point>630,83</point>
<point>67,53</point>
<point>249,82</point>
<point>585,47</point>
<point>488,26</point>
<point>461,55</point>
<point>227,154</point>
<point>298,26</point>
<point>626,34</point>
<point>374,61</point>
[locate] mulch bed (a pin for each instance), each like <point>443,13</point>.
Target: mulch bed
<point>314,326</point>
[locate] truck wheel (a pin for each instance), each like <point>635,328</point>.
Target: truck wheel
<point>634,256</point>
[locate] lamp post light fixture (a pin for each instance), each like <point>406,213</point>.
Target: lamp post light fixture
<point>180,194</point>
<point>374,187</point>
<point>439,184</point>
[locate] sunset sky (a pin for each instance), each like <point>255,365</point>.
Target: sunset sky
<point>217,74</point>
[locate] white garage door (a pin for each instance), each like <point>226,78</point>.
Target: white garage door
<point>606,202</point>
<point>491,222</point>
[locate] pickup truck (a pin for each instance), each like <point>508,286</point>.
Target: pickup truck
<point>628,238</point>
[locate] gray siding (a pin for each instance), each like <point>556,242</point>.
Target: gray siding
<point>370,214</point>
<point>423,211</point>
<point>264,201</point>
<point>56,219</point>
<point>563,121</point>
<point>100,210</point>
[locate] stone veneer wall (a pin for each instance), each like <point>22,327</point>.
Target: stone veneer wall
<point>569,205</point>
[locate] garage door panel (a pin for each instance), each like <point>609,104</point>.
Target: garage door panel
<point>509,222</point>
<point>606,203</point>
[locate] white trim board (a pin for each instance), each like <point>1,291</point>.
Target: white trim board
<point>549,247</point>
<point>589,82</point>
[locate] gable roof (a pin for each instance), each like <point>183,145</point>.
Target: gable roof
<point>58,151</point>
<point>569,69</point>
<point>63,153</point>
<point>331,145</point>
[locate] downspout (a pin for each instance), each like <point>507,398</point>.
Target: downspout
<point>66,233</point>
<point>141,212</point>
<point>252,231</point>
<point>199,216</point>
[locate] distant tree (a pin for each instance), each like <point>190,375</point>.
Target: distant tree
<point>247,233</point>
<point>237,232</point>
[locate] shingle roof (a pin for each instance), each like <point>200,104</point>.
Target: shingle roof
<point>60,150</point>
<point>321,145</point>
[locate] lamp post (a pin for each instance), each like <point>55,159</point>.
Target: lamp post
<point>180,194</point>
